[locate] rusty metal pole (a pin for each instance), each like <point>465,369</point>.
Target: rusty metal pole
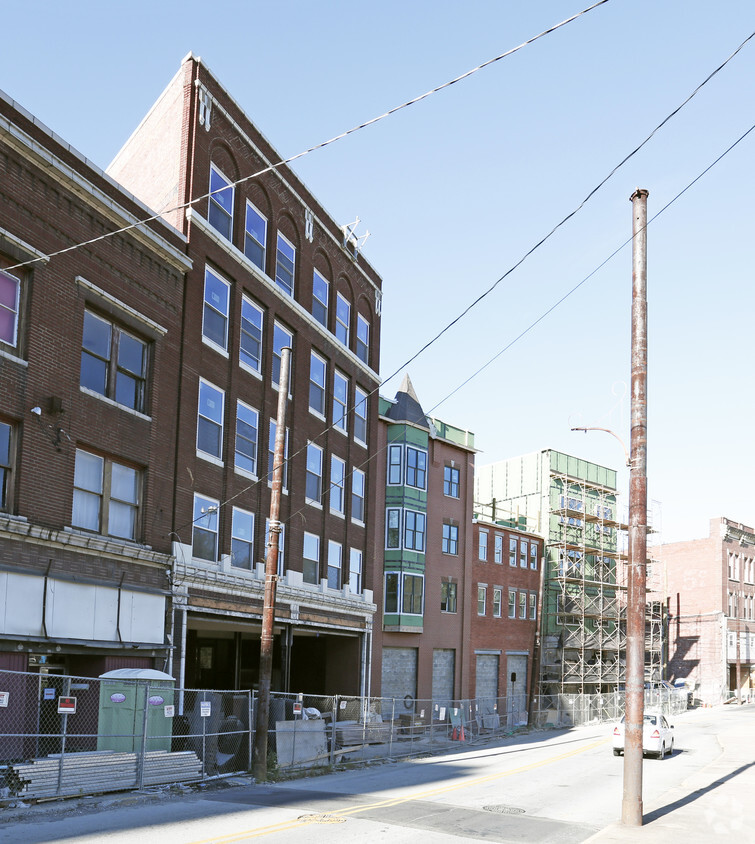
<point>259,755</point>
<point>631,808</point>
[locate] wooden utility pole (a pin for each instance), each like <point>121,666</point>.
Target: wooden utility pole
<point>259,755</point>
<point>631,809</point>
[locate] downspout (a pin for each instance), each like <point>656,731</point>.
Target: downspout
<point>44,600</point>
<point>118,615</point>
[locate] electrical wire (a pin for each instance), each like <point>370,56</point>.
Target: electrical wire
<point>316,147</point>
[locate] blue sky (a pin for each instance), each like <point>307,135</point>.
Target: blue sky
<point>457,188</point>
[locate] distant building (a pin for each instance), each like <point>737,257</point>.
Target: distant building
<point>424,542</point>
<point>506,573</point>
<point>89,348</point>
<point>710,588</point>
<point>572,505</point>
<point>270,269</point>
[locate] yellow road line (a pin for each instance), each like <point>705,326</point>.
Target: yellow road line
<point>394,801</point>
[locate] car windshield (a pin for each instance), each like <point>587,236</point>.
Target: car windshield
<point>647,719</point>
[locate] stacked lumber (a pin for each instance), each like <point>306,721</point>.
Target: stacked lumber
<point>354,732</point>
<point>91,773</point>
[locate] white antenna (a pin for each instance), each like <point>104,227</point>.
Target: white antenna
<point>356,242</point>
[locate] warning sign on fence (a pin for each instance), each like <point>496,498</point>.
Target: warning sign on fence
<point>66,705</point>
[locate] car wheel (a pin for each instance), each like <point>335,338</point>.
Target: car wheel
<point>662,751</point>
<point>671,749</point>
<point>616,751</point>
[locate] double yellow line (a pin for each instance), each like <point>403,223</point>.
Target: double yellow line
<point>395,801</point>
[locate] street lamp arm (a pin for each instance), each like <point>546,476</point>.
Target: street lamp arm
<point>614,435</point>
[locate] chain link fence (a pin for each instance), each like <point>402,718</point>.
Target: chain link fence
<point>62,736</point>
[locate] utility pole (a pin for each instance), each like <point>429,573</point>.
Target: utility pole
<point>631,808</point>
<point>259,755</point>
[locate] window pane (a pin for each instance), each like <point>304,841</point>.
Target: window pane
<point>123,483</point>
<point>97,335</point>
<point>131,354</point>
<point>121,520</point>
<point>256,237</point>
<point>9,294</point>
<point>220,211</point>
<point>284,269</point>
<point>391,592</point>
<point>216,296</point>
<point>88,472</point>
<point>250,351</point>
<point>363,338</point>
<point>320,299</point>
<point>86,510</point>
<point>343,319</point>
<point>247,421</point>
<point>93,373</point>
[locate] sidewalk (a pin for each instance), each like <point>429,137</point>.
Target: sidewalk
<point>714,802</point>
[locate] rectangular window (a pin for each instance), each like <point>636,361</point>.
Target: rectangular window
<point>522,605</point>
<point>360,416</point>
<point>411,599</point>
<point>343,319</point>
<point>217,297</point>
<point>334,564</point>
<point>482,553</point>
<point>395,459</point>
<point>391,592</point>
<point>113,362</point>
<point>282,337</point>
<point>281,546</point>
<point>242,539</point>
<point>523,553</point>
<point>416,468</point>
<point>220,211</point>
<point>355,571</point>
<point>482,595</point>
<point>513,546</point>
<point>247,437</point>
<point>498,550</point>
<point>285,263</point>
<point>450,543</point>
<point>448,597</point>
<point>271,454</point>
<point>10,295</point>
<point>451,481</point>
<point>313,483</point>
<point>533,556</point>
<point>414,531</point>
<point>357,495</point>
<point>363,339</point>
<point>317,371</point>
<point>105,496</point>
<point>250,347</point>
<point>497,601</point>
<point>6,433</point>
<point>337,481</point>
<point>255,236</point>
<point>512,603</point>
<point>204,541</point>
<point>393,527</point>
<point>340,401</point>
<point>533,606</point>
<point>210,420</point>
<point>311,559</point>
<point>320,290</point>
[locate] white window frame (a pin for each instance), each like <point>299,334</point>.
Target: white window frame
<point>205,519</point>
<point>356,558</point>
<point>449,484</point>
<point>14,310</point>
<point>395,465</point>
<point>238,535</point>
<point>318,377</point>
<point>309,540</point>
<point>335,564</point>
<point>363,339</point>
<point>340,403</point>
<point>205,390</point>
<point>417,514</point>
<point>497,601</point>
<point>358,493</point>
<point>512,603</point>
<point>281,546</point>
<point>217,205</point>
<point>271,429</point>
<point>283,285</point>
<point>360,415</point>
<point>498,548</point>
<point>280,332</point>
<point>450,540</point>
<point>420,472</point>
<point>242,408</point>
<point>324,305</point>
<point>249,235</point>
<point>107,498</point>
<point>342,328</point>
<point>482,546</point>
<point>216,307</point>
<point>337,489</point>
<point>247,361</point>
<point>312,451</point>
<point>482,598</point>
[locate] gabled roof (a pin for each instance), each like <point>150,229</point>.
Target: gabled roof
<point>406,407</point>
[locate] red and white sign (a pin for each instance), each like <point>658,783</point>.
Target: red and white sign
<point>66,705</point>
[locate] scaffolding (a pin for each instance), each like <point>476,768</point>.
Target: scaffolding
<point>584,627</point>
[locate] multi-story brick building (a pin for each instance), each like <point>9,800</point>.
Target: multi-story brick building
<point>506,581</point>
<point>89,347</point>
<point>270,269</point>
<point>709,586</point>
<point>424,540</point>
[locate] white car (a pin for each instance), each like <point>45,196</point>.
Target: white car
<point>657,735</point>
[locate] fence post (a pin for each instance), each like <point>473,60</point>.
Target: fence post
<point>64,731</point>
<point>140,764</point>
<point>203,719</point>
<point>393,725</point>
<point>333,723</point>
<point>250,698</point>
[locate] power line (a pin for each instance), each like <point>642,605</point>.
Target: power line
<point>316,147</point>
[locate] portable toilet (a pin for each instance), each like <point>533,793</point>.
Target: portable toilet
<point>128,696</point>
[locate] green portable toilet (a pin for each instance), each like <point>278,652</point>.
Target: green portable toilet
<point>123,700</point>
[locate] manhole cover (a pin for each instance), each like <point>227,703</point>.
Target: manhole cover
<point>321,819</point>
<point>504,810</point>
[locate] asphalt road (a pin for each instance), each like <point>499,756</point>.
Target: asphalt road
<point>561,786</point>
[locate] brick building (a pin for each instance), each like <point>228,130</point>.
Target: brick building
<point>424,538</point>
<point>709,585</point>
<point>506,581</point>
<point>270,269</point>
<point>89,344</point>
